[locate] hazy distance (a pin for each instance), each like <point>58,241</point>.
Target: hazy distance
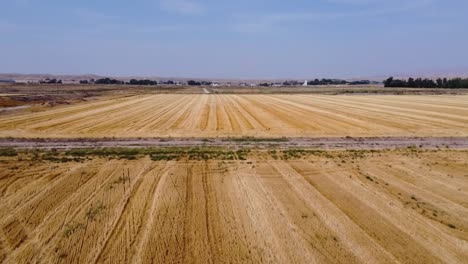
<point>235,39</point>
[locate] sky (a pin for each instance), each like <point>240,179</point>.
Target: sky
<point>244,39</point>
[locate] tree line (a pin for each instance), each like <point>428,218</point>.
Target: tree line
<point>108,81</point>
<point>198,83</point>
<point>326,82</point>
<point>131,82</point>
<point>114,81</point>
<point>51,81</point>
<point>454,83</point>
<point>317,82</point>
<point>141,82</point>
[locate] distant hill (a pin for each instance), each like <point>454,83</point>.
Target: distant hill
<point>37,77</point>
<point>76,78</point>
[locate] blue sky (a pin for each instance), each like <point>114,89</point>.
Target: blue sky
<point>234,39</point>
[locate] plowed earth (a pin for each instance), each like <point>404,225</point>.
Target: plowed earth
<point>212,115</point>
<point>381,207</point>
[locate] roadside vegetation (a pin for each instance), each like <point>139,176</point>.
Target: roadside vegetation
<point>155,154</point>
<point>8,152</point>
<point>203,153</point>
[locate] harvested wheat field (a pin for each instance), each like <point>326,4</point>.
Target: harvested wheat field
<point>407,206</point>
<point>177,115</point>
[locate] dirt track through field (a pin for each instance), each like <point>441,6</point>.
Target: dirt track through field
<point>213,115</point>
<point>383,207</point>
<point>232,143</point>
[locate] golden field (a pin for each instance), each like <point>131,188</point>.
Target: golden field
<point>406,206</point>
<point>178,115</point>
<point>277,202</point>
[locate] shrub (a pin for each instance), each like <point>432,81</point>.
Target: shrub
<point>8,152</point>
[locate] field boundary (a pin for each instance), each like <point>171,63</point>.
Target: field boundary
<point>261,143</point>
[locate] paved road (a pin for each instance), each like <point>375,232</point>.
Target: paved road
<point>284,143</point>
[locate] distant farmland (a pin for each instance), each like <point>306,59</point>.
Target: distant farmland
<point>248,115</point>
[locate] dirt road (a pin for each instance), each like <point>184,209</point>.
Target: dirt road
<point>282,143</point>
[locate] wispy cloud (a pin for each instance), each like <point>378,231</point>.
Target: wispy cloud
<point>21,2</point>
<point>7,27</point>
<point>354,2</point>
<point>186,7</point>
<point>91,23</point>
<point>93,16</point>
<point>266,21</point>
<point>383,3</point>
<point>126,28</point>
<point>101,22</point>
